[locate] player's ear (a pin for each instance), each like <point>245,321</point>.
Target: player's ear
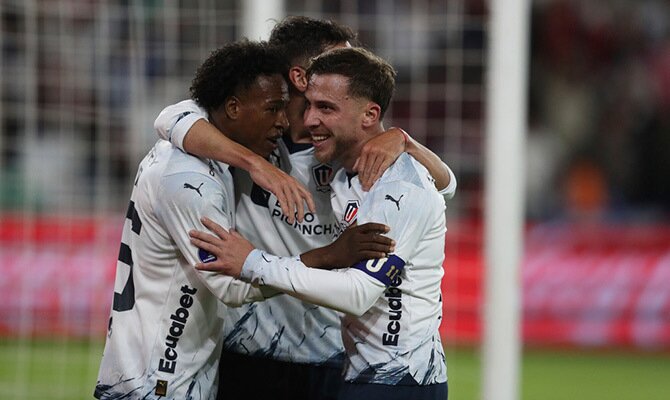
<point>372,114</point>
<point>298,77</point>
<point>232,107</point>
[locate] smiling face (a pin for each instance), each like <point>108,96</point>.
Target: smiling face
<point>334,119</point>
<point>296,108</point>
<point>257,115</point>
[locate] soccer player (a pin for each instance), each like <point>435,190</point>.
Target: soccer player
<point>165,331</point>
<point>392,304</point>
<point>294,345</point>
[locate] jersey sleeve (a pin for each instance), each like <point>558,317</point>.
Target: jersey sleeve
<point>348,290</point>
<point>180,208</point>
<point>174,121</point>
<point>449,191</point>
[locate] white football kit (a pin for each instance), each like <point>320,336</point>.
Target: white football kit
<point>165,330</point>
<point>393,305</point>
<point>283,327</point>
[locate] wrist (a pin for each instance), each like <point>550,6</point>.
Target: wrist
<point>409,143</point>
<point>315,258</point>
<point>251,162</point>
<point>405,138</point>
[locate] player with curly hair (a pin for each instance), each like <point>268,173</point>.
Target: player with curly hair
<point>165,331</point>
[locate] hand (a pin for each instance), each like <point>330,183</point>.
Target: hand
<point>378,154</point>
<point>290,193</point>
<point>230,249</point>
<point>355,244</point>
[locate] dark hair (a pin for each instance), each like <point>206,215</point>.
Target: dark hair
<point>370,76</point>
<point>233,67</point>
<point>301,38</point>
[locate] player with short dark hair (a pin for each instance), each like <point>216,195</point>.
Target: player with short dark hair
<point>392,304</point>
<point>296,346</point>
<point>165,335</point>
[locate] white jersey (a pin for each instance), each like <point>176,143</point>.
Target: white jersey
<point>393,305</point>
<point>165,331</point>
<point>283,327</point>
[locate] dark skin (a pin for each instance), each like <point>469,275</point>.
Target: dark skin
<point>355,244</point>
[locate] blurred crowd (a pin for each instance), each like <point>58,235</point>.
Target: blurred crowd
<point>599,140</point>
<point>82,80</point>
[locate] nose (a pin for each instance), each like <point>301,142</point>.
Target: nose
<point>309,117</point>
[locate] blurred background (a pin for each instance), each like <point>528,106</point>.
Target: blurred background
<point>81,82</point>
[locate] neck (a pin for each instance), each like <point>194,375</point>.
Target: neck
<point>295,110</point>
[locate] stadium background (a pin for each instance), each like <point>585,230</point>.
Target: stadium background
<point>82,80</point>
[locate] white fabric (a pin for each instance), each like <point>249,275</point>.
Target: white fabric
<point>166,321</point>
<point>283,327</point>
<point>397,333</point>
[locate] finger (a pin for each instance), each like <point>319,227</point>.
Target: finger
<point>369,254</point>
<point>386,248</point>
<point>355,167</point>
<point>307,197</point>
<point>372,168</point>
<point>204,236</point>
<point>370,227</point>
<point>379,171</point>
<point>206,267</point>
<point>208,247</point>
<point>376,169</point>
<point>289,203</point>
<point>378,242</point>
<point>283,203</point>
<point>363,167</point>
<point>299,206</point>
<point>214,227</point>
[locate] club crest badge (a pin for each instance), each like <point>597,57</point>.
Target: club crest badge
<point>350,211</point>
<point>323,175</point>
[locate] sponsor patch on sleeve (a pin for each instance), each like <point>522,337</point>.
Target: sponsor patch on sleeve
<point>161,387</point>
<point>385,270</point>
<point>205,256</point>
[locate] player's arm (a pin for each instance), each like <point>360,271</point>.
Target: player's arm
<point>180,209</point>
<point>349,291</point>
<point>355,244</point>
<point>382,150</point>
<point>185,124</point>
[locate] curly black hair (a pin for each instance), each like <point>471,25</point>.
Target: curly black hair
<point>234,67</point>
<point>301,38</point>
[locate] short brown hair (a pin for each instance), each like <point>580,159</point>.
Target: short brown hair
<point>370,76</point>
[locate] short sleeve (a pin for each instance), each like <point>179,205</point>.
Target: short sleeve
<point>174,122</point>
<point>399,206</point>
<point>183,200</point>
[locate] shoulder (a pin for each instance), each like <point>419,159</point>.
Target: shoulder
<point>405,189</point>
<point>406,170</point>
<point>186,177</point>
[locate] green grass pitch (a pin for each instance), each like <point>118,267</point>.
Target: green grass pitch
<point>67,370</point>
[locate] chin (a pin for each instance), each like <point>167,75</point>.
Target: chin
<point>322,157</point>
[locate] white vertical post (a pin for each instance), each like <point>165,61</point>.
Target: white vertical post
<point>259,17</point>
<point>503,203</point>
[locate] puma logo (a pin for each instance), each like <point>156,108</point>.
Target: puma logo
<point>197,189</point>
<point>397,202</point>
